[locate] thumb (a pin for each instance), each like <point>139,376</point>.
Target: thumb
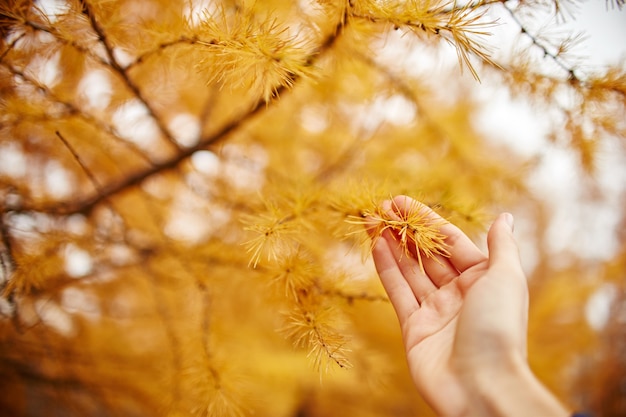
<point>503,250</point>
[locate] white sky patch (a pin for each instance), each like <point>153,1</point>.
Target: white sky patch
<point>24,223</point>
<point>185,128</point>
<point>314,118</point>
<point>244,166</point>
<point>606,27</point>
<point>193,218</point>
<point>192,226</point>
<point>196,10</point>
<point>45,69</point>
<point>598,307</point>
<point>96,89</point>
<point>52,9</point>
<point>120,254</point>
<point>80,301</point>
<point>404,54</point>
<point>310,7</point>
<point>580,225</point>
<point>55,317</point>
<point>7,309</point>
<point>12,160</point>
<point>134,123</point>
<point>57,180</point>
<point>206,162</point>
<point>395,110</point>
<point>509,121</point>
<point>398,110</point>
<point>123,57</point>
<point>525,229</point>
<point>77,224</point>
<point>78,262</point>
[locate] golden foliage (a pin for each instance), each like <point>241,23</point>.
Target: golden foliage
<point>460,25</point>
<point>256,55</point>
<point>185,188</point>
<point>312,329</point>
<point>412,227</point>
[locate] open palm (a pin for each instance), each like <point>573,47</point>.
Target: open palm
<point>458,312</point>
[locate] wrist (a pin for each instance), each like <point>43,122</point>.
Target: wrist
<point>512,390</point>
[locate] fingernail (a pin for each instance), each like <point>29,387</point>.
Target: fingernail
<point>508,218</point>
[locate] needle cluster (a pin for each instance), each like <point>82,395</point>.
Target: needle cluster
<point>417,233</point>
<point>257,54</point>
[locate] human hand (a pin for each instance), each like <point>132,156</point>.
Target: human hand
<point>463,318</point>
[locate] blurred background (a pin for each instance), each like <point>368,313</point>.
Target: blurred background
<point>179,182</point>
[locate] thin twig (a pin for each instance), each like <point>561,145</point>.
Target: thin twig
<point>67,42</point>
<point>133,179</point>
<point>7,261</point>
<point>72,109</point>
<point>546,52</point>
<point>404,89</point>
<point>121,71</point>
<point>570,70</point>
<point>183,40</point>
<point>10,46</point>
<point>351,298</point>
<point>94,181</point>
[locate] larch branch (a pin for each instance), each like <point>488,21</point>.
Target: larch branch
<point>137,178</point>
<point>352,297</point>
<point>572,77</point>
<point>7,260</point>
<point>80,48</point>
<point>10,46</point>
<point>183,40</point>
<point>121,71</point>
<point>546,52</point>
<point>404,89</point>
<point>96,184</point>
<point>72,109</point>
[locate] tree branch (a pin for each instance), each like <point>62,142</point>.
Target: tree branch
<point>183,40</point>
<point>80,48</point>
<point>121,71</point>
<point>79,161</point>
<point>546,52</point>
<point>10,46</point>
<point>133,179</point>
<point>72,109</point>
<point>7,261</point>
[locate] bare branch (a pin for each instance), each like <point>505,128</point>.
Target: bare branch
<point>7,261</point>
<point>121,71</point>
<point>183,40</point>
<point>544,48</point>
<point>72,109</point>
<point>79,161</point>
<point>131,180</point>
<point>80,48</point>
<point>352,297</point>
<point>10,46</point>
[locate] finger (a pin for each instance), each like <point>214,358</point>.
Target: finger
<point>503,250</point>
<point>437,268</point>
<point>421,285</point>
<point>463,252</point>
<point>506,273</point>
<point>398,289</point>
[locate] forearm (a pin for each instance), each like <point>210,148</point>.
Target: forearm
<point>512,392</point>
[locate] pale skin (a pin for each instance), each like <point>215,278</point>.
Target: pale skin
<point>464,321</point>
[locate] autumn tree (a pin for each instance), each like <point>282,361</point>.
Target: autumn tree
<point>183,187</point>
